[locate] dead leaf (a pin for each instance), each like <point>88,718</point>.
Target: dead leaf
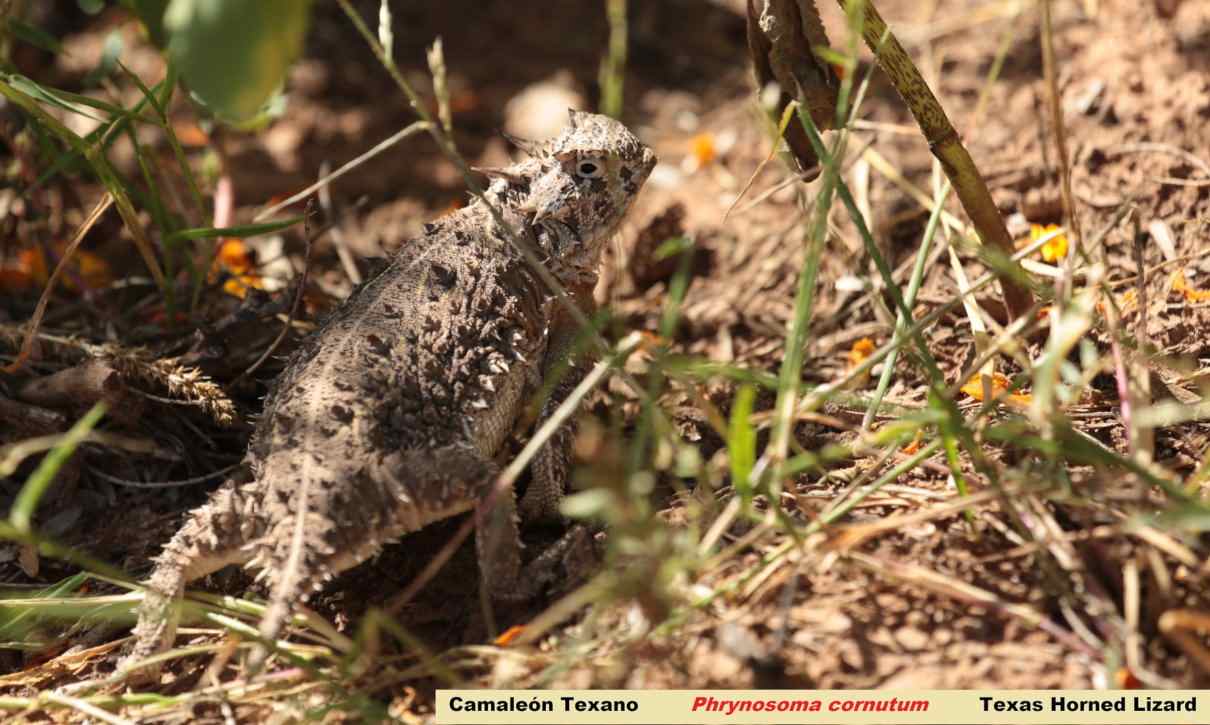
<point>781,35</point>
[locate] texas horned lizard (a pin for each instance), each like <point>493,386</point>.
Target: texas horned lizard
<point>388,418</point>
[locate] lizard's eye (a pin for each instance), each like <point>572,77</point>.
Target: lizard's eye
<point>590,168</point>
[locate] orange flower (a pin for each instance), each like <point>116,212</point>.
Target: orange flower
<point>24,273</point>
<point>190,134</point>
<point>860,350</point>
<point>1055,248</point>
<point>651,341</point>
<point>703,148</point>
<point>30,270</point>
<point>509,635</point>
<point>858,353</point>
<point>1181,286</point>
<point>236,259</point>
<point>1128,302</point>
<point>94,271</point>
<point>234,255</point>
<point>999,386</point>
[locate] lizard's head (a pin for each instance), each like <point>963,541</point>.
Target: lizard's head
<point>583,184</point>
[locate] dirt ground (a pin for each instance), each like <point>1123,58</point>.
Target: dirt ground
<point>938,601</point>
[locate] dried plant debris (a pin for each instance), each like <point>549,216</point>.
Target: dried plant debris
<point>134,365</point>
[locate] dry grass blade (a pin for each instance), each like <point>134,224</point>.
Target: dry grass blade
<point>338,238</point>
<point>1163,148</point>
<point>851,537</point>
<point>188,384</point>
<point>1131,372</point>
<point>1182,627</point>
<point>887,169</point>
<point>87,708</point>
<point>1054,106</point>
<point>327,179</point>
<point>12,454</point>
<point>782,125</point>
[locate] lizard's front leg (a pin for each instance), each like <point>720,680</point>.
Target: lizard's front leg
<point>498,541</point>
<point>567,365</point>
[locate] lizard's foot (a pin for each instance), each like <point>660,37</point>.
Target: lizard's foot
<point>558,567</point>
<point>565,564</point>
<point>556,570</point>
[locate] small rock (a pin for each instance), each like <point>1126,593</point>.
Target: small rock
<point>912,639</point>
<point>540,110</point>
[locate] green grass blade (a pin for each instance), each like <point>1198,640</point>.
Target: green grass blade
<point>166,87</point>
<point>741,442</point>
<point>40,93</point>
<point>39,481</point>
<point>242,231</point>
<point>33,35</point>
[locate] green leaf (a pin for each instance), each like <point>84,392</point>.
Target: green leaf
<point>672,247</point>
<point>35,36</point>
<point>110,55</point>
<point>242,231</point>
<point>1194,519</point>
<point>18,621</point>
<point>234,54</point>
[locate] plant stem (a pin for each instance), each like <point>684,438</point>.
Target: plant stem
<point>944,143</point>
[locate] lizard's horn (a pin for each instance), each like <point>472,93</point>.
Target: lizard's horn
<point>495,172</point>
<point>534,149</point>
